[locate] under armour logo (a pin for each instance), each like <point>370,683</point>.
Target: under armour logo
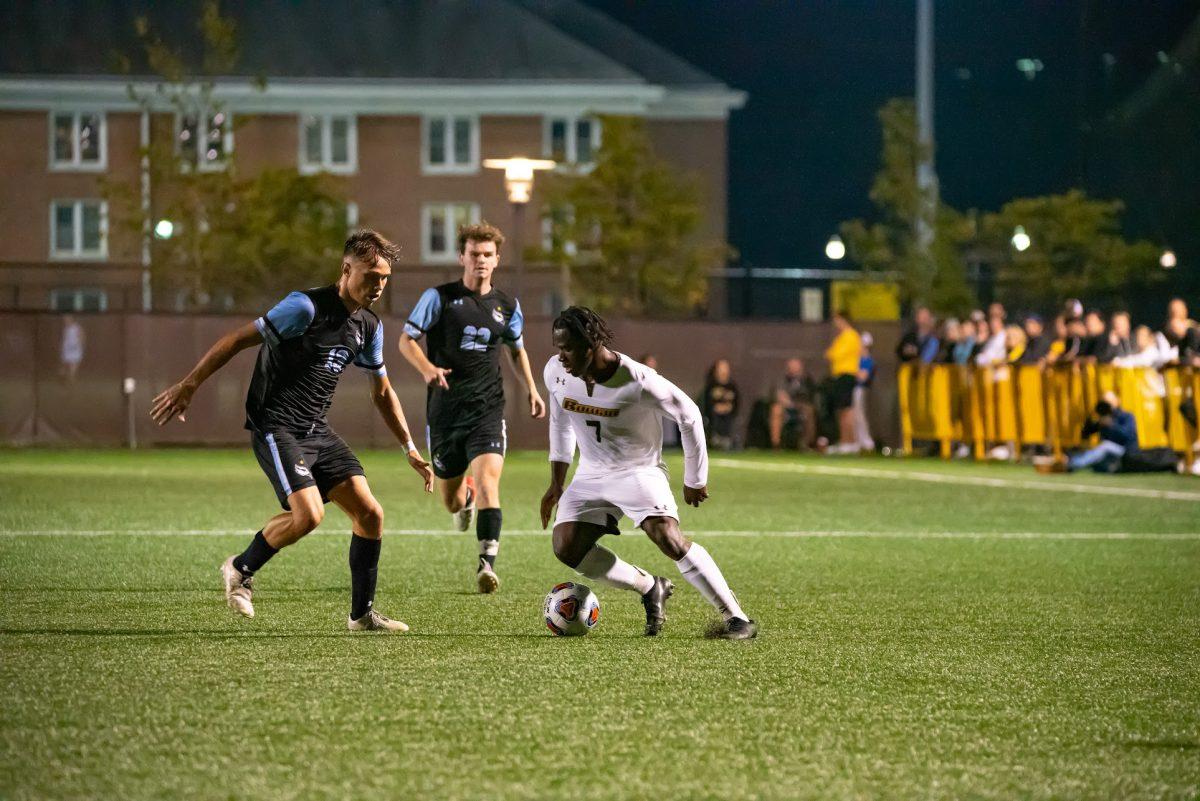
<point>560,380</point>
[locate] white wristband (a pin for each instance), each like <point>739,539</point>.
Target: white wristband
<point>409,447</point>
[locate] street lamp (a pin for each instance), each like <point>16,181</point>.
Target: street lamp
<point>835,248</point>
<point>518,181</point>
<point>1167,260</point>
<point>1020,239</point>
<point>164,228</point>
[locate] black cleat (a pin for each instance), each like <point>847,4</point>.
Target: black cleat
<point>735,629</point>
<point>655,603</point>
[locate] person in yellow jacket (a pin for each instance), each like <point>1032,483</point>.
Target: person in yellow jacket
<point>843,355</point>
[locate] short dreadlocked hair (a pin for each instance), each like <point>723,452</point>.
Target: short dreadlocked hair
<point>582,322</point>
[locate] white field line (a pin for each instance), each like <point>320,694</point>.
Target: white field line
<point>945,478</point>
<point>752,534</point>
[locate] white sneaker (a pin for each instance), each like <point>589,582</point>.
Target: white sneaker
<point>238,588</point>
<point>1196,467</point>
<point>486,578</point>
<point>1000,453</point>
<point>464,516</point>
<point>373,621</point>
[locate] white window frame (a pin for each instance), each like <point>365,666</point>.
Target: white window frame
<point>76,164</point>
<point>310,168</point>
<point>572,143</point>
<point>351,215</point>
<point>200,162</point>
<point>451,254</point>
<point>471,167</point>
<point>77,294</point>
<point>569,247</point>
<point>77,253</point>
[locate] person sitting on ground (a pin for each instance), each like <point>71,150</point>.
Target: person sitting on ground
<point>793,407</point>
<point>720,406</point>
<point>1118,435</point>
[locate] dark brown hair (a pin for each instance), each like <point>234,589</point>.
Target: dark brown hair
<point>479,232</point>
<point>367,246</point>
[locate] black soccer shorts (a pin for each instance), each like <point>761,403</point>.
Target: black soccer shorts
<point>322,460</point>
<point>453,447</point>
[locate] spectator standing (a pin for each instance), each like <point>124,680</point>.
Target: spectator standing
<point>1037,347</point>
<point>1120,342</point>
<point>920,342</point>
<point>964,349</point>
<point>866,373</point>
<point>843,355</point>
<point>74,342</point>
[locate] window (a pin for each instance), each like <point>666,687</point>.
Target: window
<point>328,142</point>
<point>351,215</point>
<point>439,229</point>
<point>556,222</point>
<point>572,140</point>
<point>78,140</point>
<point>812,305</point>
<point>450,144</point>
<point>78,300</point>
<point>204,140</point>
<point>79,229</point>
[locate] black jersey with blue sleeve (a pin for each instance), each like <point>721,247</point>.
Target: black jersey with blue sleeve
<point>308,339</point>
<point>463,332</point>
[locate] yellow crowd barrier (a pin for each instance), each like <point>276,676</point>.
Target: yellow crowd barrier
<point>1024,405</point>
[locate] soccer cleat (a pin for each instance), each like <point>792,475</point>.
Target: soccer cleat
<point>1049,464</point>
<point>238,588</point>
<point>736,629</point>
<point>486,577</point>
<point>655,604</point>
<point>373,621</point>
<point>464,516</point>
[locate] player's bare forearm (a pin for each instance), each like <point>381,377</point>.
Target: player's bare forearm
<point>388,405</point>
<point>173,402</point>
<point>558,474</point>
<point>558,477</point>
<point>412,353</point>
<point>520,360</point>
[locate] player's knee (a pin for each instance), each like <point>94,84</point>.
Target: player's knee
<point>370,520</point>
<point>305,519</point>
<point>565,551</point>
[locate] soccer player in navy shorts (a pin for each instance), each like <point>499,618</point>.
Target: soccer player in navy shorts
<point>306,341</point>
<point>464,323</point>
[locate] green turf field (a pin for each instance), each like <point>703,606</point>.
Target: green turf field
<point>922,638</point>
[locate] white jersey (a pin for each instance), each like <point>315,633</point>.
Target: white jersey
<point>618,426</point>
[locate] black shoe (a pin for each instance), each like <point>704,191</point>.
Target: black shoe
<point>735,629</point>
<point>655,602</point>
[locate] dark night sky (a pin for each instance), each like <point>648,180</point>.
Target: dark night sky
<point>804,149</point>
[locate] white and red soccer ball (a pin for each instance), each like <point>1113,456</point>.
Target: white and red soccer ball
<point>571,610</point>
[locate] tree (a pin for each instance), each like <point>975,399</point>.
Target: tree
<point>1076,250</point>
<point>626,229</point>
<point>890,245</point>
<point>233,236</point>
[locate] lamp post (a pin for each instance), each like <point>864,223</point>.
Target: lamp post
<point>835,248</point>
<point>518,181</point>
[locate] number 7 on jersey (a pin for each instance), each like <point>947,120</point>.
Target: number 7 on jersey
<point>595,423</point>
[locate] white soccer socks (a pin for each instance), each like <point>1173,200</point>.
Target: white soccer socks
<point>601,564</point>
<point>702,573</point>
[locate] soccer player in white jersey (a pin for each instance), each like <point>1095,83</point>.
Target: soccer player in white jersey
<point>611,407</point>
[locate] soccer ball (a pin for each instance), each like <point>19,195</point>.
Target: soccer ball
<point>571,610</point>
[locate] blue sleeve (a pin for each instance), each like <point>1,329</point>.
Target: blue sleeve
<point>290,318</point>
<point>513,332</point>
<point>424,314</point>
<point>930,351</point>
<point>370,356</point>
<point>1125,430</point>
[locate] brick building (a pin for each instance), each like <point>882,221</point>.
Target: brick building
<point>399,100</point>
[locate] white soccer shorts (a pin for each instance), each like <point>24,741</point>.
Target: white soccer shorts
<point>602,499</point>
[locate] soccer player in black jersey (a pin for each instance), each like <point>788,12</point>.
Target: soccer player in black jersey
<point>464,323</point>
<point>307,340</point>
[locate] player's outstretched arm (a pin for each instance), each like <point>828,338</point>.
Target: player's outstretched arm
<point>385,400</point>
<point>673,402</point>
<point>520,361</point>
<point>174,401</point>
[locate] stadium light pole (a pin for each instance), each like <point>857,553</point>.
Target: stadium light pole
<point>518,182</point>
<point>927,183</point>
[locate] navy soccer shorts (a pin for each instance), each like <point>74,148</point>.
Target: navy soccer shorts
<point>322,460</point>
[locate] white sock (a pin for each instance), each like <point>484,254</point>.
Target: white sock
<point>602,564</point>
<point>702,573</point>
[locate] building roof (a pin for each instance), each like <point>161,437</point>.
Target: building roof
<point>409,40</point>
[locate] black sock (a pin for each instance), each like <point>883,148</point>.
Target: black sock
<point>253,558</point>
<point>487,527</point>
<point>364,570</point>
